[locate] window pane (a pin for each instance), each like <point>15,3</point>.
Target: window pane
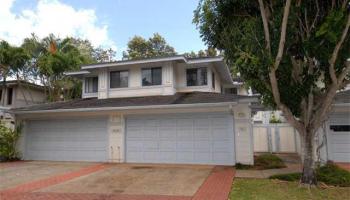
<point>94,84</point>
<point>9,96</point>
<point>114,79</point>
<point>156,76</point>
<point>191,75</point>
<point>146,77</point>
<point>124,79</point>
<point>91,84</point>
<point>213,80</point>
<point>202,76</point>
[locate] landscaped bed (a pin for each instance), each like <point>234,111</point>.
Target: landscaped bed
<point>267,189</point>
<point>329,174</point>
<point>264,161</point>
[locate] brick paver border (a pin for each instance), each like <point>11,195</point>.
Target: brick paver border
<point>217,186</point>
<point>35,185</point>
<point>77,196</point>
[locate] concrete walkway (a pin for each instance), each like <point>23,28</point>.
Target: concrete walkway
<point>291,168</point>
<point>213,183</point>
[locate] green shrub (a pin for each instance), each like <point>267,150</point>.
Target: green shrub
<point>243,166</point>
<point>329,174</point>
<point>287,177</point>
<point>268,161</point>
<point>8,142</point>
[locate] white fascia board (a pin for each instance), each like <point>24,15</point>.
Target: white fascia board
<point>198,105</point>
<point>132,62</point>
<point>76,73</point>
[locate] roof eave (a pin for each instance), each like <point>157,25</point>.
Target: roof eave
<point>194,105</point>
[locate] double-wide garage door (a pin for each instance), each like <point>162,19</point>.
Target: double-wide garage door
<point>83,139</point>
<point>181,138</point>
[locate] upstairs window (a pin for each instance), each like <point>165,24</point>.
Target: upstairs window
<point>213,80</point>
<point>196,76</point>
<point>119,79</point>
<point>9,96</point>
<point>91,84</point>
<point>152,76</point>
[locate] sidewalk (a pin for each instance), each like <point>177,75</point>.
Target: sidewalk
<point>291,168</point>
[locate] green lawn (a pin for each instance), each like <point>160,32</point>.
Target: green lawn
<point>266,189</point>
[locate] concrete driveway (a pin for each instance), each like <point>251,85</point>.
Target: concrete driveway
<point>80,180</point>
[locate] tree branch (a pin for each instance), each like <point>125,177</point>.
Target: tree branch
<point>283,34</point>
<point>266,26</point>
<point>334,57</point>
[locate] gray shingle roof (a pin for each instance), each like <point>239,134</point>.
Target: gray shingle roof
<point>178,98</point>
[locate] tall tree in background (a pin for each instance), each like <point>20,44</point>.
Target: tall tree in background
<point>138,47</point>
<point>50,57</point>
<point>210,52</point>
<point>295,53</point>
<point>12,62</point>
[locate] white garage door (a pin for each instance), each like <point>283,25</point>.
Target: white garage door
<point>83,139</point>
<point>182,138</point>
<point>339,138</point>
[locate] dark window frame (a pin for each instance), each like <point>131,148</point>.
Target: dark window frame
<point>195,73</point>
<point>213,80</point>
<point>340,128</point>
<point>9,96</point>
<point>153,73</point>
<point>120,85</point>
<point>94,79</point>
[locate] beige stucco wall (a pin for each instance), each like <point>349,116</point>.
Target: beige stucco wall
<point>243,134</point>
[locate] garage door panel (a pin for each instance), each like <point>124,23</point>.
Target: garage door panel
<point>83,139</point>
<point>202,146</point>
<point>341,157</point>
<point>167,145</point>
<point>168,157</point>
<point>182,138</point>
<point>202,133</point>
<point>150,145</point>
<point>167,133</point>
<point>185,157</point>
<point>341,148</point>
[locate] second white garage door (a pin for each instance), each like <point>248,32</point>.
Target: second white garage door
<point>339,138</point>
<point>83,139</point>
<point>181,138</point>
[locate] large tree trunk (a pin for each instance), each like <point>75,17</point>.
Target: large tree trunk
<point>308,158</point>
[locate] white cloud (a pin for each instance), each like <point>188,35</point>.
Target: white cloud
<point>52,16</point>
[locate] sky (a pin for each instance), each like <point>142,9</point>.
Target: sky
<point>106,23</point>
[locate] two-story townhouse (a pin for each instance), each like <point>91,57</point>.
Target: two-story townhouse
<point>18,94</point>
<point>157,110</point>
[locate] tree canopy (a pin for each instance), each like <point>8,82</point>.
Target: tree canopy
<point>139,47</point>
<point>293,52</point>
<point>45,60</point>
<point>202,53</point>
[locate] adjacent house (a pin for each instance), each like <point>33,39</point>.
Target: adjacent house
<point>334,136</point>
<point>157,110</point>
<point>17,94</point>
